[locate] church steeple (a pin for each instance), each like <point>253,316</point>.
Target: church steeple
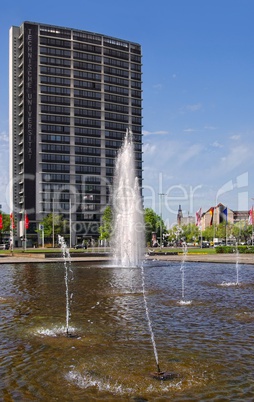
<point>179,216</point>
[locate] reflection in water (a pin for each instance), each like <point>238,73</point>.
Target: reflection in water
<point>208,342</point>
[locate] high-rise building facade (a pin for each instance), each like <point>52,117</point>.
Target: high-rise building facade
<point>73,94</point>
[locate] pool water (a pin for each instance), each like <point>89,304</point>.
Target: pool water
<point>207,340</point>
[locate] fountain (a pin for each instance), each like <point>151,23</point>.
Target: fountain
<point>128,227</point>
<point>237,264</point>
<point>182,270</point>
<point>237,282</point>
<point>210,347</point>
<point>67,265</point>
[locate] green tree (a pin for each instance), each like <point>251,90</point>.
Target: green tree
<point>61,226</point>
<point>153,223</point>
<point>105,230</point>
<point>208,233</point>
<point>6,225</point>
<point>242,232</point>
<point>190,232</point>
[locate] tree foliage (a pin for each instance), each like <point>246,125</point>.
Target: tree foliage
<point>153,223</point>
<point>6,222</point>
<point>61,226</point>
<point>105,230</point>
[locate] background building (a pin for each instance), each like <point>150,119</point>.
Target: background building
<point>73,94</point>
<point>216,215</point>
<point>184,220</point>
<point>179,216</point>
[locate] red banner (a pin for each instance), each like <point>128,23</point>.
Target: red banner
<point>12,221</point>
<point>26,222</point>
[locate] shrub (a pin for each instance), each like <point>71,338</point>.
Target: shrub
<point>232,249</point>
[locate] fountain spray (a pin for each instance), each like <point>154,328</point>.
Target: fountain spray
<point>66,258</point>
<point>129,229</point>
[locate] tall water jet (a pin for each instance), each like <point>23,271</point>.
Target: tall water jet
<point>67,265</point>
<point>128,238</point>
<point>128,223</point>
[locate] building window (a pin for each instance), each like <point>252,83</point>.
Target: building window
<point>58,100</point>
<point>55,81</point>
<point>55,148</point>
<point>55,52</point>
<point>55,158</point>
<point>55,109</point>
<point>55,61</point>
<point>87,131</point>
<point>55,71</point>
<point>87,66</point>
<point>87,141</point>
<point>55,42</point>
<point>56,129</point>
<point>55,90</point>
<point>55,168</point>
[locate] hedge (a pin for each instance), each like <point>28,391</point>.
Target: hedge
<point>234,249</point>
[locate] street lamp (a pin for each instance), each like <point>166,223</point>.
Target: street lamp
<point>161,195</point>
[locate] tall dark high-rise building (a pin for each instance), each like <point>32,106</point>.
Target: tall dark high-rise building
<point>73,94</point>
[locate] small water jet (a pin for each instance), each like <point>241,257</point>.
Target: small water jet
<point>237,282</point>
<point>128,226</point>
<point>67,266</point>
<point>237,264</point>
<point>183,302</point>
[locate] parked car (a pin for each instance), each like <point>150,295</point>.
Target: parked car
<point>205,244</point>
<point>4,246</point>
<point>77,246</point>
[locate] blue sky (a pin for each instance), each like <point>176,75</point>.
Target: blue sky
<point>198,86</point>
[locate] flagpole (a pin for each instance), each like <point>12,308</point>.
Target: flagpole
<point>24,220</point>
<point>226,228</point>
<point>252,223</point>
<point>200,222</point>
<point>70,222</point>
<point>53,223</point>
<point>11,233</point>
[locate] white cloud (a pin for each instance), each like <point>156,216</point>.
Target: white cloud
<point>235,137</point>
<point>160,132</point>
<point>194,107</point>
<point>149,149</point>
<point>4,137</point>
<point>190,153</point>
<point>189,130</point>
<point>236,157</point>
<point>217,144</point>
<point>157,86</point>
<point>210,128</point>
